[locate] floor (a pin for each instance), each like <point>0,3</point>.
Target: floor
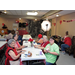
<point>65,59</point>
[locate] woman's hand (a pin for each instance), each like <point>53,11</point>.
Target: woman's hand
<point>35,46</point>
<point>19,41</point>
<point>45,51</point>
<point>48,51</point>
<point>22,46</point>
<point>22,53</point>
<point>24,50</point>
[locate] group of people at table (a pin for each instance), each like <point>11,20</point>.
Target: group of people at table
<point>49,48</point>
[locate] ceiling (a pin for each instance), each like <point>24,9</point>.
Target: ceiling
<point>42,14</point>
<point>23,14</point>
<point>61,13</point>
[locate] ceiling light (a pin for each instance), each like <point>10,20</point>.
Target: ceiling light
<point>19,18</point>
<point>57,15</point>
<point>35,19</point>
<point>32,13</point>
<point>5,12</point>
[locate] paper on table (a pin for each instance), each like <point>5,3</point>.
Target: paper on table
<point>35,44</point>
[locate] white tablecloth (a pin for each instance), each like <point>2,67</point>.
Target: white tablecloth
<point>35,54</point>
<point>2,43</point>
<point>27,43</point>
<point>26,37</point>
<point>2,39</point>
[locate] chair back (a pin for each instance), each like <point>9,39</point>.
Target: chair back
<point>56,60</point>
<point>73,40</point>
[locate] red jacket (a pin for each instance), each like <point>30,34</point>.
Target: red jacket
<point>8,57</point>
<point>68,41</point>
<point>44,44</point>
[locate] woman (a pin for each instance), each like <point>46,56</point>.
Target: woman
<point>12,56</point>
<point>51,52</point>
<point>17,45</point>
<point>43,45</point>
<point>62,40</point>
<point>19,37</point>
<point>66,35</point>
<point>39,39</point>
<point>67,44</point>
<point>10,35</point>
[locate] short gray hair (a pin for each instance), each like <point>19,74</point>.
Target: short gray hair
<point>10,41</point>
<point>45,37</point>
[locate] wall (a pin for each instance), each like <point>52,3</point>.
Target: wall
<point>9,22</point>
<point>60,29</point>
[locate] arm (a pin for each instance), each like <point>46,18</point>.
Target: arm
<point>54,53</point>
<point>20,47</point>
<point>37,46</point>
<point>64,40</point>
<point>21,51</point>
<point>40,41</point>
<point>40,47</point>
<point>12,54</point>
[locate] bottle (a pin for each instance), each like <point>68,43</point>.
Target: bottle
<point>33,42</point>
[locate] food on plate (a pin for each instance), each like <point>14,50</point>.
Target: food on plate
<point>29,54</point>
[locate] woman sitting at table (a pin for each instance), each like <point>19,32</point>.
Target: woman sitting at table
<point>39,39</point>
<point>51,52</point>
<point>43,45</point>
<point>17,45</point>
<point>12,56</point>
<point>19,37</point>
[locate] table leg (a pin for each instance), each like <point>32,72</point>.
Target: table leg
<point>28,62</point>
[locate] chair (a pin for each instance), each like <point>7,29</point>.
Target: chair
<point>2,55</point>
<point>69,50</point>
<point>56,60</point>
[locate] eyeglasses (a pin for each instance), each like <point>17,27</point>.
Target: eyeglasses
<point>50,40</point>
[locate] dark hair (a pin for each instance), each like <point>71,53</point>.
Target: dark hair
<point>9,31</point>
<point>66,32</point>
<point>52,38</point>
<point>14,35</point>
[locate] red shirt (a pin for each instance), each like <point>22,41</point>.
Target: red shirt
<point>68,41</point>
<point>45,43</point>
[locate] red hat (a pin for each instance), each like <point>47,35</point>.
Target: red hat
<point>40,36</point>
